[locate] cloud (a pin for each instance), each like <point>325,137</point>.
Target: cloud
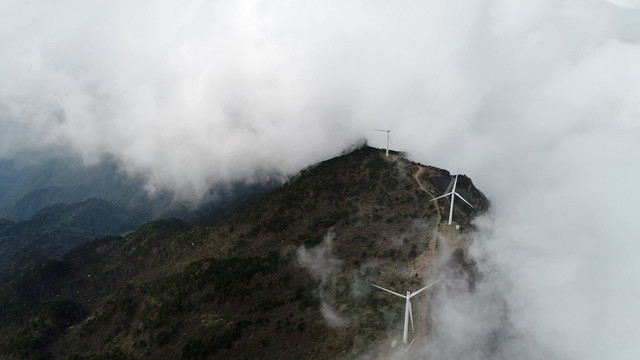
<point>538,102</point>
<point>323,266</point>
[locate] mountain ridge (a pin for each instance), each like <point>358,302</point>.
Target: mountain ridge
<point>287,275</point>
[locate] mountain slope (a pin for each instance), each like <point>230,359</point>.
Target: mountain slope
<point>285,277</point>
<point>54,230</point>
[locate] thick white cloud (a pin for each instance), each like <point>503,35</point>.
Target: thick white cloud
<point>538,101</point>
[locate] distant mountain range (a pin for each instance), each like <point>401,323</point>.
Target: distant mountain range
<point>49,207</point>
<point>26,188</point>
<point>56,229</point>
<point>286,276</point>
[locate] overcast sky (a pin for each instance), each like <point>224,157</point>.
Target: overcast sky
<point>537,101</point>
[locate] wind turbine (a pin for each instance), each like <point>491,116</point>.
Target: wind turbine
<point>388,131</point>
<point>407,311</point>
<point>453,194</point>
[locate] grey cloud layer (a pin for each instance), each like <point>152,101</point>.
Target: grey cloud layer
<point>538,101</point>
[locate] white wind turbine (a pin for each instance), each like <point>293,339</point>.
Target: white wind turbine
<point>453,194</point>
<point>388,131</point>
<point>407,311</point>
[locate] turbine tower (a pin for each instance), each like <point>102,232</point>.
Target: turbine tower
<point>407,311</point>
<point>453,194</point>
<point>388,131</point>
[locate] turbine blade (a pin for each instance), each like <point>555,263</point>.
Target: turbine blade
<point>411,317</point>
<point>441,196</point>
<point>419,291</point>
<point>380,130</point>
<point>455,182</point>
<point>458,195</point>
<point>390,125</point>
<point>387,290</point>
